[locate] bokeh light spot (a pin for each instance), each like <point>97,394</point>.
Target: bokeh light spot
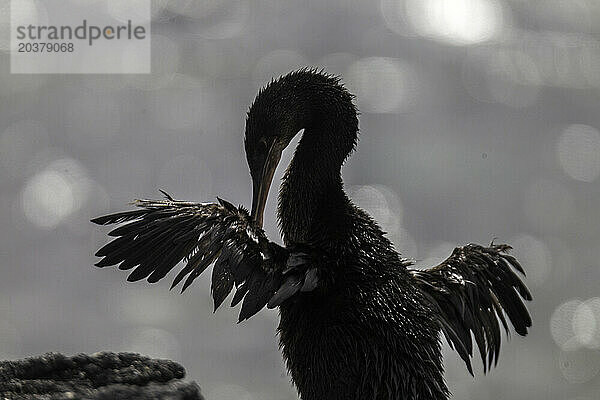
<point>404,243</point>
<point>586,323</point>
<point>534,255</point>
<point>55,193</point>
<point>561,325</point>
<point>381,203</point>
<point>395,18</point>
<point>385,207</point>
<point>379,84</point>
<point>47,199</point>
<point>578,151</point>
<point>435,255</point>
<point>579,366</point>
<point>337,63</point>
<point>459,22</point>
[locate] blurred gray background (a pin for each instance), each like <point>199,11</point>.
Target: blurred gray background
<point>480,119</point>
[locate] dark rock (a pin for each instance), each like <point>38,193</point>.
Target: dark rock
<point>101,376</point>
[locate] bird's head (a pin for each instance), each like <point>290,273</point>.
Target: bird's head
<point>299,100</point>
<point>263,152</point>
<point>266,138</point>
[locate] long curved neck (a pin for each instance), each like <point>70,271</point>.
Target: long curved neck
<point>312,205</point>
<point>311,191</point>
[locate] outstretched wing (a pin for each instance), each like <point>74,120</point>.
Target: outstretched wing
<point>472,290</point>
<point>161,233</point>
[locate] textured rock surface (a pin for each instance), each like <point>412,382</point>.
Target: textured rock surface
<point>101,376</point>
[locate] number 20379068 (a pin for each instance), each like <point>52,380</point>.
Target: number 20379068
<point>41,47</point>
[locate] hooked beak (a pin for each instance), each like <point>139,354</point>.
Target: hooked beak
<point>261,186</point>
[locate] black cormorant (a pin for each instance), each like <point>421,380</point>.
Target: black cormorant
<point>356,322</point>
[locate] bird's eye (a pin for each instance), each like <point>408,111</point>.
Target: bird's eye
<point>263,142</point>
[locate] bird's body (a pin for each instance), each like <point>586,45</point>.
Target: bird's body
<point>368,334</point>
<point>355,321</point>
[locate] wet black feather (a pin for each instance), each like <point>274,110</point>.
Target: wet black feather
<point>473,288</point>
<point>260,289</point>
<point>164,233</point>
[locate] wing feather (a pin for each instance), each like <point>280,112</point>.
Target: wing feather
<point>161,234</point>
<point>472,291</point>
